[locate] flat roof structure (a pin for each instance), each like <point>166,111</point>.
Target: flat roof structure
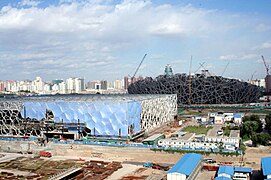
<point>84,97</point>
<point>222,178</point>
<point>242,169</point>
<point>226,170</point>
<point>187,136</point>
<point>266,166</point>
<point>153,137</point>
<point>235,133</point>
<point>237,115</point>
<point>186,164</point>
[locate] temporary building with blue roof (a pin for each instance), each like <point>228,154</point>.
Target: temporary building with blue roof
<point>242,169</point>
<point>266,167</point>
<point>187,166</point>
<point>222,178</point>
<point>237,115</point>
<point>226,170</point>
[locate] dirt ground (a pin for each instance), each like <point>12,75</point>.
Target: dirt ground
<point>252,158</point>
<point>205,175</point>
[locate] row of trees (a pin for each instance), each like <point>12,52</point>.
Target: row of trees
<point>253,129</point>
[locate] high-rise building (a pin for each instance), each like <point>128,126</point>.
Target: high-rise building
<point>62,88</point>
<point>104,85</point>
<point>75,85</point>
<point>37,85</point>
<point>118,84</point>
<point>268,84</point>
<point>70,85</point>
<point>126,82</point>
<point>2,86</point>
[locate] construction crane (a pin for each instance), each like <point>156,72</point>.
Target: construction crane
<point>266,66</point>
<point>225,68</point>
<point>132,78</point>
<point>201,64</point>
<point>252,76</point>
<point>190,83</point>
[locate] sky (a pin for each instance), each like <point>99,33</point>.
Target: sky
<point>106,39</point>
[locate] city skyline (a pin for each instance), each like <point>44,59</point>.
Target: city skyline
<point>107,39</point>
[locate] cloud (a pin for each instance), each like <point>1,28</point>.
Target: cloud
<point>91,38</point>
<point>262,27</point>
<point>29,3</point>
<point>242,57</point>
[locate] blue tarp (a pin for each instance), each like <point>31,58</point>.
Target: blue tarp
<point>226,170</point>
<point>107,117</point>
<point>266,166</point>
<point>186,164</point>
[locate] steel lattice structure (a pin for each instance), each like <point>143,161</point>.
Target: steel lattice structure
<point>12,123</point>
<point>204,89</point>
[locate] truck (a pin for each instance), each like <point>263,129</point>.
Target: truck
<point>156,166</point>
<point>148,164</point>
<point>45,154</point>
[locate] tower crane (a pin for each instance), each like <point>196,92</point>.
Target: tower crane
<point>190,83</point>
<point>132,78</point>
<point>266,66</point>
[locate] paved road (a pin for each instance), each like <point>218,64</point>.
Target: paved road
<point>141,163</point>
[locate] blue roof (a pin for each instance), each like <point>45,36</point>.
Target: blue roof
<point>266,166</point>
<point>226,170</point>
<point>186,164</point>
<point>222,178</point>
<point>242,169</point>
<point>237,115</point>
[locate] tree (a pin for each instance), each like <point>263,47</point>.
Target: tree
<point>249,128</point>
<point>254,118</point>
<point>260,138</point>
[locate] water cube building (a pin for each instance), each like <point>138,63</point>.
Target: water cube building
<point>101,115</point>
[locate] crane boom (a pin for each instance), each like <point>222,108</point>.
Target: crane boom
<point>225,68</point>
<point>266,66</point>
<point>138,68</point>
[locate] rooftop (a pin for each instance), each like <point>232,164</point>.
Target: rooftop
<point>86,97</point>
<point>153,137</point>
<point>186,164</point>
<point>235,133</point>
<point>222,178</point>
<point>187,136</point>
<point>266,166</point>
<point>237,115</point>
<point>226,170</point>
<point>242,169</point>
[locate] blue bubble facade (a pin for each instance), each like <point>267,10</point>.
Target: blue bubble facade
<point>107,117</point>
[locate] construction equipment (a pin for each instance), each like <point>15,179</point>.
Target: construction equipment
<point>156,166</point>
<point>201,64</point>
<point>45,154</point>
<point>266,66</point>
<point>190,83</point>
<point>132,78</point>
<point>252,76</point>
<point>225,68</point>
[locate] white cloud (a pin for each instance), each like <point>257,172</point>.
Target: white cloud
<point>262,27</point>
<point>235,57</point>
<point>29,3</point>
<point>100,36</point>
